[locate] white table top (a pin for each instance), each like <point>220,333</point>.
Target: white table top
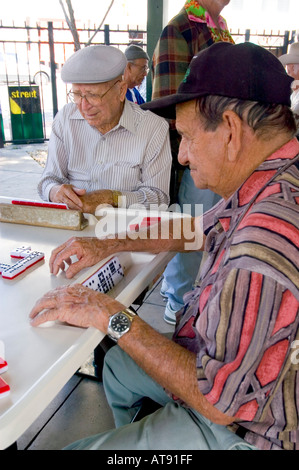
<point>41,360</point>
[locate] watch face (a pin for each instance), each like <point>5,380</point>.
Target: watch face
<point>120,323</point>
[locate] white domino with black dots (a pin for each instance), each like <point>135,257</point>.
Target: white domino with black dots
<point>107,277</point>
<point>20,252</point>
<point>21,266</point>
<point>27,259</point>
<point>4,266</point>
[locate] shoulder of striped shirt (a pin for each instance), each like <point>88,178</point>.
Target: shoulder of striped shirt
<point>277,211</point>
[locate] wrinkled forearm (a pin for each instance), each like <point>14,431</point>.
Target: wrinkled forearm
<point>93,199</point>
<point>167,236</point>
<point>176,235</point>
<point>176,372</point>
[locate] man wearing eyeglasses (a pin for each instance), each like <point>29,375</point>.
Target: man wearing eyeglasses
<point>135,72</point>
<point>104,149</point>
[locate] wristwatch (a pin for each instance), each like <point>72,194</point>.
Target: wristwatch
<point>115,196</point>
<point>120,323</point>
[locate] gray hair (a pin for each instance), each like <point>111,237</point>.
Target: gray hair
<point>263,118</point>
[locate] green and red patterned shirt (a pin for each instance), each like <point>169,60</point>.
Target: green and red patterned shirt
<point>242,321</point>
<point>188,33</point>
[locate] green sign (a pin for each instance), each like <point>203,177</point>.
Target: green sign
<point>25,112</point>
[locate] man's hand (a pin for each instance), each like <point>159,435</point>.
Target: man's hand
<point>69,195</point>
<point>76,305</point>
<point>88,251</point>
<point>78,199</point>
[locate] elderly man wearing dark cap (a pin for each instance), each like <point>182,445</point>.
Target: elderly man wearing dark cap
<point>228,379</point>
<point>104,149</point>
<point>135,72</point>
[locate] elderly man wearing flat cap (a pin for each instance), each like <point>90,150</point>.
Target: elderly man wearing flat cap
<point>104,149</point>
<point>229,377</point>
<point>136,70</point>
<point>291,62</point>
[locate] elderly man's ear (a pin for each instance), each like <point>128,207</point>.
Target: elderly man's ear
<point>123,89</point>
<point>234,131</point>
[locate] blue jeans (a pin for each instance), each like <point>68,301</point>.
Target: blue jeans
<point>181,271</point>
<point>172,427</point>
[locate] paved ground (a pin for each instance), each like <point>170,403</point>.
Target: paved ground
<point>19,171</point>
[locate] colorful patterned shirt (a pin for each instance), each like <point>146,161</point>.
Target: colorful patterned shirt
<point>180,40</point>
<point>242,320</point>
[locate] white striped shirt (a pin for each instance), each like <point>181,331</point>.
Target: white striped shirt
<point>133,158</point>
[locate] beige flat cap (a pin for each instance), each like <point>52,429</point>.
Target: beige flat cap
<point>94,64</point>
<point>292,57</point>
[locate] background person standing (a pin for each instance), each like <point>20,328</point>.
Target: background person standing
<point>291,63</point>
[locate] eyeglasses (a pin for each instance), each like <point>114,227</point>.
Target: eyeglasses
<point>92,98</point>
<point>144,68</point>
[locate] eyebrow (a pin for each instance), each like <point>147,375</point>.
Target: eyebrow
<point>86,90</point>
<point>180,132</point>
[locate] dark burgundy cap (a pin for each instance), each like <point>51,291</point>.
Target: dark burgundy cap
<point>245,71</point>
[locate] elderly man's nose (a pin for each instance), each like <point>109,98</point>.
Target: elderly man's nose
<point>84,103</point>
<point>183,154</point>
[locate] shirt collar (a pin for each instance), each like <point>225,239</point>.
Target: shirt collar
<point>229,211</point>
<point>199,14</point>
<point>75,112</point>
<point>127,119</point>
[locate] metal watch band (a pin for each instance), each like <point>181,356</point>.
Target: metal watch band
<point>115,333</point>
<point>115,196</point>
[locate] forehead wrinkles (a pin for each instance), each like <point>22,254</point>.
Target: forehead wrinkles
<point>187,117</point>
<point>141,62</point>
<point>92,87</point>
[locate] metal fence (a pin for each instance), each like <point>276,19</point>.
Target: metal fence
<point>31,91</point>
